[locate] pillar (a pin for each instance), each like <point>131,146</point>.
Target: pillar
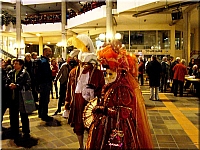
<point>109,21</point>
<point>18,26</point>
<point>172,42</point>
<point>198,30</point>
<point>63,9</point>
<point>40,45</point>
<point>186,37</point>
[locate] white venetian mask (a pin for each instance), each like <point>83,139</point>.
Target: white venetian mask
<point>110,76</point>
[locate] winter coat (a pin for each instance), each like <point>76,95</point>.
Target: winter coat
<point>22,80</point>
<point>154,71</point>
<point>180,71</point>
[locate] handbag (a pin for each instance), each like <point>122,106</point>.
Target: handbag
<point>29,103</point>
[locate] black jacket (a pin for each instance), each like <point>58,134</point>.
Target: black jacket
<point>154,71</point>
<point>44,71</point>
<point>22,80</point>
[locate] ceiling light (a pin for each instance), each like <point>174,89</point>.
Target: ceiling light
<point>38,34</point>
<point>118,36</point>
<point>48,42</point>
<point>31,43</point>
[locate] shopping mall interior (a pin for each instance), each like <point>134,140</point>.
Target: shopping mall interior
<point>145,28</point>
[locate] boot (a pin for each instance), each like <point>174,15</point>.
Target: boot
<point>156,93</point>
<point>57,111</point>
<point>152,93</point>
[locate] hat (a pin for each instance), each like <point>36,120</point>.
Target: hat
<point>74,53</point>
<point>87,42</point>
<point>87,57</point>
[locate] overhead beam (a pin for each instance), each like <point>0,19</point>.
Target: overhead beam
<point>164,8</point>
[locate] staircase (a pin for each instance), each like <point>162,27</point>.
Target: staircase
<point>7,54</point>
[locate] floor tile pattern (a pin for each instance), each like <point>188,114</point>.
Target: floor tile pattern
<point>174,123</point>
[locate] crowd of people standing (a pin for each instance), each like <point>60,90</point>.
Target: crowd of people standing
<point>115,112</point>
<point>168,75</point>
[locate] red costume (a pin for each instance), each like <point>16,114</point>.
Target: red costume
<point>122,123</point>
<point>75,100</point>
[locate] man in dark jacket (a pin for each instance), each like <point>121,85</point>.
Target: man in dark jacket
<point>45,82</point>
<point>164,75</point>
<point>4,90</point>
<point>63,74</point>
<point>154,70</point>
<point>17,79</point>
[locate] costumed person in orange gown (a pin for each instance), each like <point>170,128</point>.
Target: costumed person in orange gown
<point>120,119</point>
<point>82,78</point>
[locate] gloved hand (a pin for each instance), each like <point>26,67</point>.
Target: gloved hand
<point>100,110</point>
<point>67,106</point>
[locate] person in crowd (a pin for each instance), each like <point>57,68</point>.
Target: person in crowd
<point>180,70</point>
<point>9,65</point>
<point>190,66</point>
<point>28,63</point>
<point>171,58</point>
<point>164,75</point>
<point>29,67</point>
<point>54,70</point>
<point>44,79</point>
<point>17,79</point>
<point>146,64</point>
<point>120,119</point>
<point>62,76</point>
<point>86,74</point>
<point>141,70</point>
<point>154,70</point>
<point>34,56</point>
<point>34,84</point>
<point>60,62</point>
<point>172,72</point>
<point>195,73</point>
<point>4,90</point>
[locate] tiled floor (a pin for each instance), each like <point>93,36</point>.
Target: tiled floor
<point>174,123</point>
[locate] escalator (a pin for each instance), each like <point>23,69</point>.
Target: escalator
<point>7,54</point>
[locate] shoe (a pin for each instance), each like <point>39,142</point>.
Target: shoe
<point>151,99</point>
<point>47,118</point>
<point>18,140</point>
<point>26,136</point>
<point>57,111</point>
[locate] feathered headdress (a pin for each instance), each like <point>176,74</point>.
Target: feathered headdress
<point>116,57</point>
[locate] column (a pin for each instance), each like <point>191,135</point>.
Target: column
<point>186,37</point>
<point>63,9</point>
<point>198,30</point>
<point>40,46</point>
<point>18,26</point>
<point>172,42</point>
<point>109,21</point>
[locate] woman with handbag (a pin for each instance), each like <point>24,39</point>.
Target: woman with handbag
<point>17,79</point>
<point>79,77</point>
